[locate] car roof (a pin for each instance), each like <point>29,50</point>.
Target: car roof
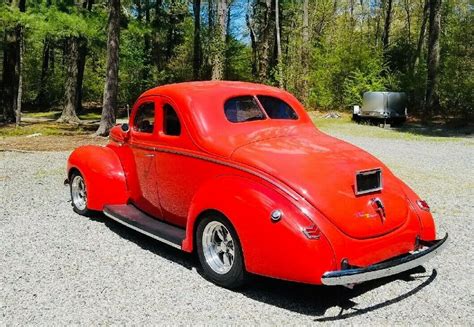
<point>201,106</point>
<point>210,87</point>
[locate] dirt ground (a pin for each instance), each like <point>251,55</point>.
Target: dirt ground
<point>48,142</point>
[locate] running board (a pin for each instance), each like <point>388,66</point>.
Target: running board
<point>132,217</point>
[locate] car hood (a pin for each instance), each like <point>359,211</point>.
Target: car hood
<point>322,170</point>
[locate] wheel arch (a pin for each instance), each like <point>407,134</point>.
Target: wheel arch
<point>207,212</point>
<point>103,174</point>
<point>71,171</point>
<point>268,247</point>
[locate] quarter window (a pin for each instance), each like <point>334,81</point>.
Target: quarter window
<point>242,109</point>
<point>144,121</point>
<point>276,108</point>
<point>171,124</point>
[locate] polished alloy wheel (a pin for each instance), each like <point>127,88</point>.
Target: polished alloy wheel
<point>218,247</point>
<point>78,193</point>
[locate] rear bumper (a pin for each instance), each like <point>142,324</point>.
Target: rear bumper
<point>385,268</point>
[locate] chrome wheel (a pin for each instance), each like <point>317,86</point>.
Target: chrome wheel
<point>218,247</point>
<point>79,193</point>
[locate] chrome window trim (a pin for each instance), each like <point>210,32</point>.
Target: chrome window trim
<point>285,189</point>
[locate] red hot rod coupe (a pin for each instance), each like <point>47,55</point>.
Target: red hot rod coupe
<point>238,173</point>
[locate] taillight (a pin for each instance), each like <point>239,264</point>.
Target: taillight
<point>312,232</point>
<point>423,205</point>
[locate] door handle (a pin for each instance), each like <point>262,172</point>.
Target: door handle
<point>149,155</point>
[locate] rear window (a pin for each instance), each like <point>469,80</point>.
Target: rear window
<point>276,108</point>
<point>242,109</point>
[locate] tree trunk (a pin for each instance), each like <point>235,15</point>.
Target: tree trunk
<point>432,98</point>
<point>147,45</point>
<point>388,23</point>
<point>421,37</point>
<point>68,114</point>
<point>211,13</point>
<point>11,67</point>
<point>20,78</point>
<point>197,39</point>
<point>109,105</point>
<point>87,4</point>
<point>305,50</point>
<point>81,64</point>
<point>408,13</point>
<point>42,94</point>
<point>278,44</point>
<point>253,40</point>
<point>10,76</point>
<point>305,33</point>
<point>264,46</point>
<point>220,32</point>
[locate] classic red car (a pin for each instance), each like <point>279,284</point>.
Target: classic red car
<point>238,173</point>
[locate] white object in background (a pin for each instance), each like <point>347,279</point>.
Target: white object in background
<point>356,110</point>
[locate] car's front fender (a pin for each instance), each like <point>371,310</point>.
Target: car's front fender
<point>103,174</point>
<point>277,249</point>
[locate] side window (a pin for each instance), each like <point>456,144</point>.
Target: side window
<point>242,109</point>
<point>276,108</point>
<point>145,118</point>
<point>171,124</point>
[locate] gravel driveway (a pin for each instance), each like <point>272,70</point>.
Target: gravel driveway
<point>60,268</point>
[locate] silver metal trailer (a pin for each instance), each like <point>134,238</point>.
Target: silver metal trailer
<point>386,107</point>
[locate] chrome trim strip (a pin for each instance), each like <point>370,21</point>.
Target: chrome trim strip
<point>383,269</point>
<point>285,189</point>
<point>108,214</point>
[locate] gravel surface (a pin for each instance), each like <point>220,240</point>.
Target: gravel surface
<point>59,268</point>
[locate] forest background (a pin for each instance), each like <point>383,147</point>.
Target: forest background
<point>68,54</point>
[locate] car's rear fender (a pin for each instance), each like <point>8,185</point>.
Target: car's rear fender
<point>277,249</point>
<point>428,229</point>
<point>103,174</point>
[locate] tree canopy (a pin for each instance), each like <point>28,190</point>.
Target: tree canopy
<point>326,52</point>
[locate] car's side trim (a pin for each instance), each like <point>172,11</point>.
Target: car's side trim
<point>280,186</point>
<point>386,268</point>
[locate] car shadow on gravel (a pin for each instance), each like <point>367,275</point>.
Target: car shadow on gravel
<point>185,259</point>
<point>311,300</point>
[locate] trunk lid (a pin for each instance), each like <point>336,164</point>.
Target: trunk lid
<point>322,169</point>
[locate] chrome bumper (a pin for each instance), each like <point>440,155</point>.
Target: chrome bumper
<point>385,268</point>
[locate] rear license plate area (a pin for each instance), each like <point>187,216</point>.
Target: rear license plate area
<point>368,181</point>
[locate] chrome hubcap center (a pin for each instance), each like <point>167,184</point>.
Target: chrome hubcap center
<point>218,247</point>
<point>79,193</point>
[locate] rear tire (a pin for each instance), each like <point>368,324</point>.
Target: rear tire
<point>219,252</point>
<point>78,190</point>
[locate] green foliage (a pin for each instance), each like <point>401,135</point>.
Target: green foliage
<point>457,71</point>
<point>342,59</point>
<point>238,59</point>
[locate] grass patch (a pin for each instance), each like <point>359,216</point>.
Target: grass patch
<point>90,116</point>
<point>53,115</point>
<point>48,114</point>
<point>41,128</point>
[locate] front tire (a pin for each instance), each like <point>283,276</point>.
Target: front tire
<point>78,191</point>
<point>219,252</point>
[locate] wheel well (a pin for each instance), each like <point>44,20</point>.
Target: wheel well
<point>72,171</point>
